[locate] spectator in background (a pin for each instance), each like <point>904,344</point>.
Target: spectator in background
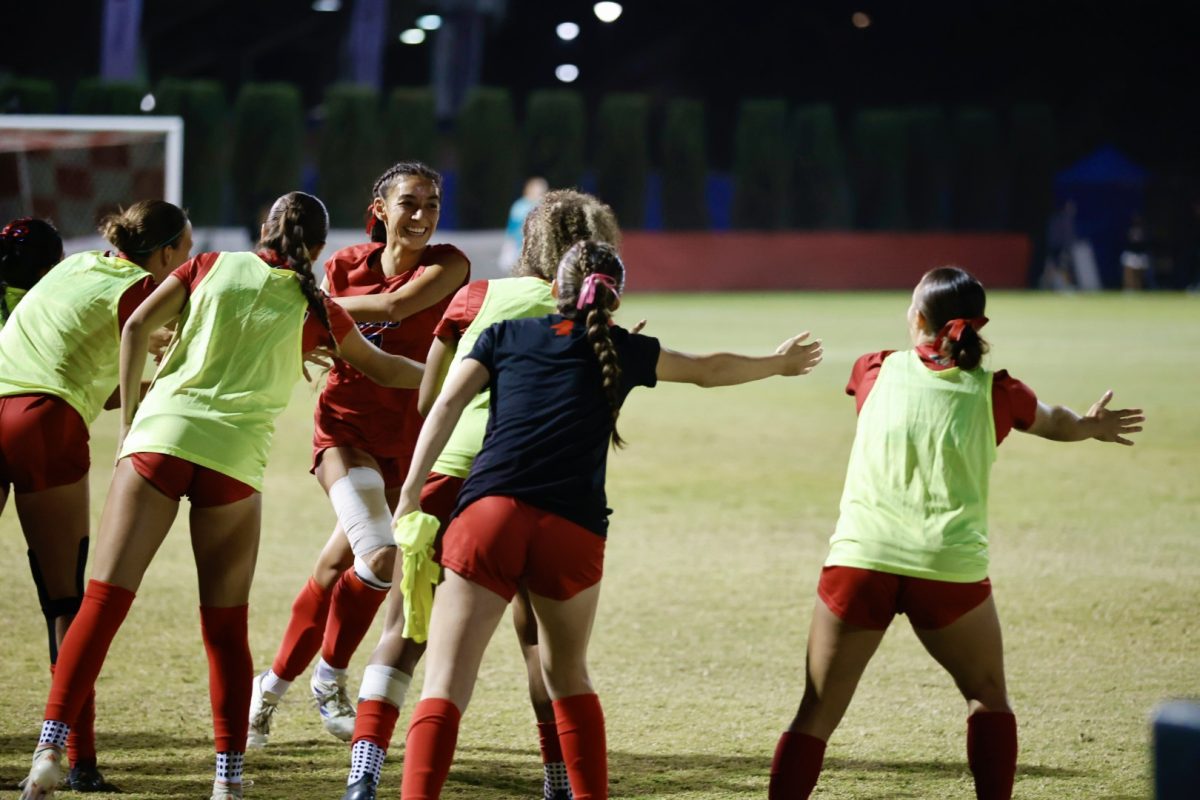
<point>1135,258</point>
<point>535,188</point>
<point>1060,242</point>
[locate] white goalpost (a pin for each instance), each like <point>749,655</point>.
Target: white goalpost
<point>74,169</point>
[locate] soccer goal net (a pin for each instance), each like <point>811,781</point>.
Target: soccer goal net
<point>73,170</point>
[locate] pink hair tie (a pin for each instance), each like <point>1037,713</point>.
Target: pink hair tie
<point>587,293</point>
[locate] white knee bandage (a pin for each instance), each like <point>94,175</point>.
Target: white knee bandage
<point>363,570</point>
<point>384,683</point>
<point>361,506</point>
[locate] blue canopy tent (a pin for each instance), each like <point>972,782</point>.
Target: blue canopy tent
<point>1108,190</point>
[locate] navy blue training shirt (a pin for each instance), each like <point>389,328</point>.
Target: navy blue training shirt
<point>548,429</point>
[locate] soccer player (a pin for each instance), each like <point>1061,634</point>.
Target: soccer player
<point>563,218</point>
<point>58,370</point>
<point>396,287</point>
<point>204,430</point>
<point>912,534</point>
<point>533,508</point>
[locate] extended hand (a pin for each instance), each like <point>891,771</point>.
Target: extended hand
<point>1114,424</point>
<point>800,358</point>
<point>321,358</point>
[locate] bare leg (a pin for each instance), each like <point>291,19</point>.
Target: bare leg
<point>972,650</point>
<point>525,624</point>
<point>135,521</point>
<point>55,523</point>
<point>465,616</point>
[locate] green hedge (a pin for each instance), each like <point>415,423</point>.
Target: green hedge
<point>267,153</point>
<point>820,190</point>
<point>930,157</point>
<point>487,158</point>
<point>684,166</point>
<point>554,136</point>
<point>205,115</point>
<point>880,169</point>
<point>98,96</point>
<point>349,158</point>
<point>409,126</point>
<point>761,166</point>
<point>28,96</point>
<point>622,158</point>
<point>980,172</point>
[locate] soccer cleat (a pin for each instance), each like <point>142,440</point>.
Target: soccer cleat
<point>337,713</point>
<point>88,779</point>
<point>45,775</point>
<point>361,789</point>
<point>262,709</point>
<point>226,791</point>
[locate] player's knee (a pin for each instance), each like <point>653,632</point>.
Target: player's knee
<point>361,505</point>
<point>375,568</point>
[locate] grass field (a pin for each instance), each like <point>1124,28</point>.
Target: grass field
<point>724,501</point>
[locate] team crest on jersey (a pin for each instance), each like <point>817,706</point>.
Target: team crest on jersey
<point>563,328</point>
<point>373,331</point>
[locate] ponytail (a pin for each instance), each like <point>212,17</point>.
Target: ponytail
<point>144,228</point>
<point>296,223</point>
<point>952,301</point>
<point>29,247</point>
<point>590,280</point>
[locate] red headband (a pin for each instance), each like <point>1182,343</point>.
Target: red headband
<point>953,330</point>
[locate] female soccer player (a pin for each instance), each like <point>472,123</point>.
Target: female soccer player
<point>912,534</point>
<point>533,508</point>
<point>58,369</point>
<point>563,218</point>
<point>29,247</point>
<point>395,287</point>
<point>204,430</point>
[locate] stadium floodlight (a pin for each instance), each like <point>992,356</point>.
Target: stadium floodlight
<point>429,22</point>
<point>327,5</point>
<point>148,103</point>
<point>74,169</point>
<point>567,73</point>
<point>567,31</point>
<point>413,36</point>
<point>607,11</point>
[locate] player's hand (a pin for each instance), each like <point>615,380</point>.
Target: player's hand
<point>408,503</point>
<point>159,341</point>
<point>800,357</point>
<point>321,359</point>
<point>1114,424</point>
<point>638,328</point>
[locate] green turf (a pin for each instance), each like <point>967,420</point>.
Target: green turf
<point>724,502</point>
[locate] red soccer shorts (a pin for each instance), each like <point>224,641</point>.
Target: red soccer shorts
<point>439,496</point>
<point>499,542</point>
<point>176,477</point>
<point>43,443</point>
<point>393,470</point>
<point>869,598</point>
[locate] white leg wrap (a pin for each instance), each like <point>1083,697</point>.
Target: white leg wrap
<point>361,506</point>
<point>363,570</point>
<point>384,683</point>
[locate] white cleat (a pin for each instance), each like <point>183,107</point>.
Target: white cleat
<point>262,709</point>
<point>337,712</point>
<point>226,791</point>
<point>45,775</point>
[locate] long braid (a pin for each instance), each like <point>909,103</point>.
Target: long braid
<point>298,222</point>
<point>594,258</point>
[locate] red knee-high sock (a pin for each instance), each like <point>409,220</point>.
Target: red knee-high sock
<point>429,749</point>
<point>375,722</point>
<point>84,648</point>
<point>302,639</point>
<point>230,673</point>
<point>350,616</point>
<point>548,739</point>
<point>796,766</point>
<point>81,742</point>
<point>992,753</point>
<point>584,746</point>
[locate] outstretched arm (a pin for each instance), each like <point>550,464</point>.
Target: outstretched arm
<point>437,364</point>
<point>793,357</point>
<point>164,305</point>
<point>385,369</point>
<point>437,281</point>
<point>1061,424</point>
<point>466,382</point>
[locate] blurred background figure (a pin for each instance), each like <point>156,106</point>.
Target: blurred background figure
<point>1135,258</point>
<point>535,188</point>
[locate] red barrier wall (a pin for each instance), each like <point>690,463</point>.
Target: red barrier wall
<point>721,261</point>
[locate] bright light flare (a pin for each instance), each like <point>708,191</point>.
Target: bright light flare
<point>607,11</point>
<point>327,5</point>
<point>567,31</point>
<point>413,36</point>
<point>429,22</point>
<point>567,73</point>
<point>148,103</point>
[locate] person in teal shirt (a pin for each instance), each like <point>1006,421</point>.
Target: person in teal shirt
<point>514,231</point>
<point>911,537</point>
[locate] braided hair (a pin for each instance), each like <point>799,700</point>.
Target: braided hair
<point>561,219</point>
<point>385,182</point>
<point>144,228</point>
<point>582,260</point>
<point>951,293</point>
<point>296,224</point>
<point>28,247</point>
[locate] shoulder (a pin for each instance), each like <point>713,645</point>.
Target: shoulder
<point>440,253</point>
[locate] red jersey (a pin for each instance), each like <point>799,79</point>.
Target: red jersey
<point>353,410</point>
<point>1014,405</point>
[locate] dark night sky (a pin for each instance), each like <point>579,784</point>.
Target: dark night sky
<point>1124,73</point>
